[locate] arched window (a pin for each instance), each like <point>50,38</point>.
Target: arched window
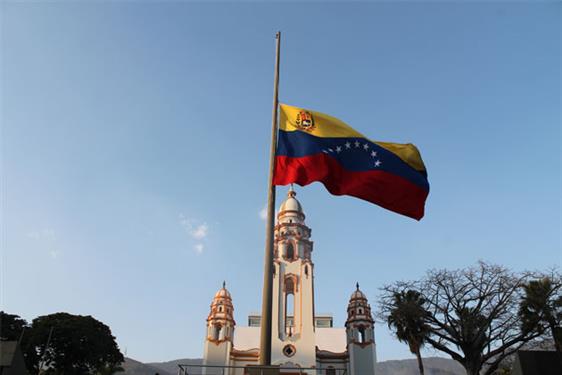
<point>330,371</point>
<point>306,270</point>
<point>290,251</point>
<point>289,305</point>
<point>217,332</point>
<point>360,311</point>
<point>361,335</point>
<point>289,313</point>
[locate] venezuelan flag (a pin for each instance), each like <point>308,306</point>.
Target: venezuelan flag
<point>313,146</point>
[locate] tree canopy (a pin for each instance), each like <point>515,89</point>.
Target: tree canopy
<point>407,318</point>
<point>11,327</point>
<point>63,343</point>
<point>78,345</point>
<point>541,307</point>
<point>471,313</point>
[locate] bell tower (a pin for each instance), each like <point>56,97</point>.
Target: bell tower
<point>220,330</point>
<point>360,335</point>
<point>293,338</point>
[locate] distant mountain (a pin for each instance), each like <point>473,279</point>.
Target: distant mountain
<point>133,367</point>
<point>433,366</point>
<point>172,366</point>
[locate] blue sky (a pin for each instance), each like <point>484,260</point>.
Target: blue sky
<point>135,140</point>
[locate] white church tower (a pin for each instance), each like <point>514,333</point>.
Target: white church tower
<point>220,330</point>
<point>360,335</point>
<point>293,337</point>
<point>300,338</point>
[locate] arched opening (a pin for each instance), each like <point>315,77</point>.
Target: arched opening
<point>330,371</point>
<point>306,270</point>
<point>289,313</point>
<point>217,332</point>
<point>290,251</point>
<point>289,306</point>
<point>361,335</point>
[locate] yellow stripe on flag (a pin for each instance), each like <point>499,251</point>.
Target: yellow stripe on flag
<point>325,126</point>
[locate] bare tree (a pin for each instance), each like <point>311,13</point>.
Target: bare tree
<point>471,313</point>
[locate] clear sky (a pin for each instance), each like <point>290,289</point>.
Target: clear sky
<point>135,142</point>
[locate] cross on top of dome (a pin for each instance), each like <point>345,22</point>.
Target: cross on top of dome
<point>292,193</point>
<point>223,292</point>
<point>357,294</point>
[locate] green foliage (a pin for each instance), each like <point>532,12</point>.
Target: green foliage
<point>407,317</point>
<point>14,328</point>
<point>11,327</point>
<point>541,307</point>
<point>78,345</point>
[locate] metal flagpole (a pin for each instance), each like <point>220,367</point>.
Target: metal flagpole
<point>267,293</point>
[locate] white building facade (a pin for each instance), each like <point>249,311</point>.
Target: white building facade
<point>300,338</point>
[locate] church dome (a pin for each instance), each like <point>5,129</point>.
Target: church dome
<point>221,307</point>
<point>223,293</point>
<point>220,321</point>
<point>357,294</point>
<point>290,210</point>
<point>291,203</point>
<point>358,308</point>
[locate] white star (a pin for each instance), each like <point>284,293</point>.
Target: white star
<point>365,146</point>
<point>378,163</point>
<point>373,153</point>
<point>338,149</point>
<point>356,143</point>
<point>347,145</point>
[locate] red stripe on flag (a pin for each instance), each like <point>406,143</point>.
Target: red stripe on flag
<point>382,188</point>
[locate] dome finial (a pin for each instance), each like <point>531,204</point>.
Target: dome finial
<point>224,284</point>
<point>291,192</point>
<point>357,285</point>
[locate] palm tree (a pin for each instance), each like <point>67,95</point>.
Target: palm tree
<point>541,308</point>
<point>407,318</point>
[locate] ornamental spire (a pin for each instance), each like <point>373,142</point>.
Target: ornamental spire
<point>291,193</point>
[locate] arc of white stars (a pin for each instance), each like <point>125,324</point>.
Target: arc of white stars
<point>357,144</point>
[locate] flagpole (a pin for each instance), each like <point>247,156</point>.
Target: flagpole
<point>267,292</point>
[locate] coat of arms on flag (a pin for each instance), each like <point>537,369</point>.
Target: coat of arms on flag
<point>305,121</point>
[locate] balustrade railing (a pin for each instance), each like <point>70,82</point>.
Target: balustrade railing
<point>187,369</point>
